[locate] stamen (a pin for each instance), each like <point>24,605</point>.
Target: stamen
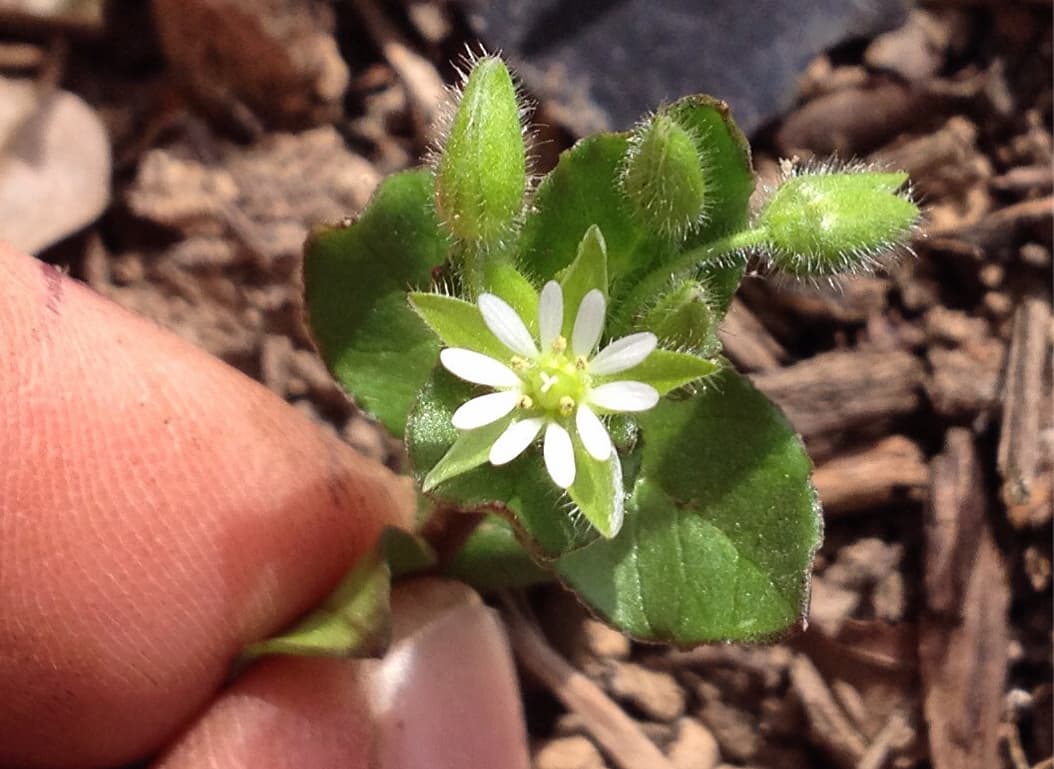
<point>559,344</point>
<point>525,402</point>
<point>519,363</point>
<point>567,405</point>
<point>581,362</point>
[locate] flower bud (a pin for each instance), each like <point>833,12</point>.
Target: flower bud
<point>827,223</point>
<point>481,173</point>
<point>683,318</point>
<point>663,177</point>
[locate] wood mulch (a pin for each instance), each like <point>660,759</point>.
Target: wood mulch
<point>923,393</point>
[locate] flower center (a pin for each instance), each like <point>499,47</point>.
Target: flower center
<point>555,384</point>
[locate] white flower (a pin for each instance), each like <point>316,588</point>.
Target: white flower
<point>555,386</point>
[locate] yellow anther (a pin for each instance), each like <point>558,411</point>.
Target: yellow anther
<point>519,363</point>
<point>525,402</point>
<point>567,405</point>
<point>581,363</point>
<point>559,344</point>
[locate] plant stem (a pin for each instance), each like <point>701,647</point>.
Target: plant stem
<point>685,264</point>
<point>472,271</point>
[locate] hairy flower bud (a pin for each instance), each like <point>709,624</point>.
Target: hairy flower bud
<point>830,222</point>
<point>481,173</point>
<point>664,178</point>
<point>683,317</point>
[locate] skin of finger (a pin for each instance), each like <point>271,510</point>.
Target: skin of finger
<point>445,697</point>
<point>157,511</point>
<point>284,712</point>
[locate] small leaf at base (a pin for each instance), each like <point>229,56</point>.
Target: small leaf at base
<point>355,620</point>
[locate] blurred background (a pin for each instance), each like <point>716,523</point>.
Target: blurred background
<point>175,154</point>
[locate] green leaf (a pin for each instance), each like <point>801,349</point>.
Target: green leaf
<point>598,491</point>
<point>406,553</point>
<point>666,370</point>
<point>470,450</point>
<point>355,282</point>
<point>493,559</point>
<point>589,270</point>
<point>725,154</point>
<point>457,323</point>
<point>355,620</point>
<point>481,174</point>
<point>583,191</point>
<point>521,491</point>
<point>720,529</point>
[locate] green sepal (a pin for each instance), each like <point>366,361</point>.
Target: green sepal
<point>505,281</point>
<point>457,323</point>
<point>588,271</point>
<point>470,450</point>
<point>520,491</point>
<point>355,620</point>
<point>666,370</point>
<point>597,491</point>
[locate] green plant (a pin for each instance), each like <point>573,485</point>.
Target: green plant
<point>468,308</point>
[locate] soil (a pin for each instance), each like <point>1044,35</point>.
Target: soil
<point>923,392</point>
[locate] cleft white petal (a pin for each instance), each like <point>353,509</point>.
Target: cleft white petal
<point>485,409</point>
<point>478,368</point>
<point>593,434</point>
<point>516,438</point>
<point>624,396</point>
<point>505,323</point>
<point>559,455</point>
<point>550,313</point>
<point>623,354</point>
<point>589,323</point>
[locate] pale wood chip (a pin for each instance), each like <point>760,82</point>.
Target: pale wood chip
<point>963,636</point>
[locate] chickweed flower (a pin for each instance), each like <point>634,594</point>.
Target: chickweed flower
<point>545,378</point>
<point>551,384</point>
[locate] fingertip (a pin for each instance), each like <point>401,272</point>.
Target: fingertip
<point>158,510</point>
<point>444,697</point>
<point>284,712</point>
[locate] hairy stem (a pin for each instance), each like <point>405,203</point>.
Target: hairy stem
<point>684,265</point>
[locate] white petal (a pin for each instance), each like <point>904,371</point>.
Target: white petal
<point>623,354</point>
<point>505,324</point>
<point>593,433</point>
<point>478,368</point>
<point>589,323</point>
<point>559,455</point>
<point>485,409</point>
<point>550,313</point>
<point>624,396</point>
<point>517,437</point>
